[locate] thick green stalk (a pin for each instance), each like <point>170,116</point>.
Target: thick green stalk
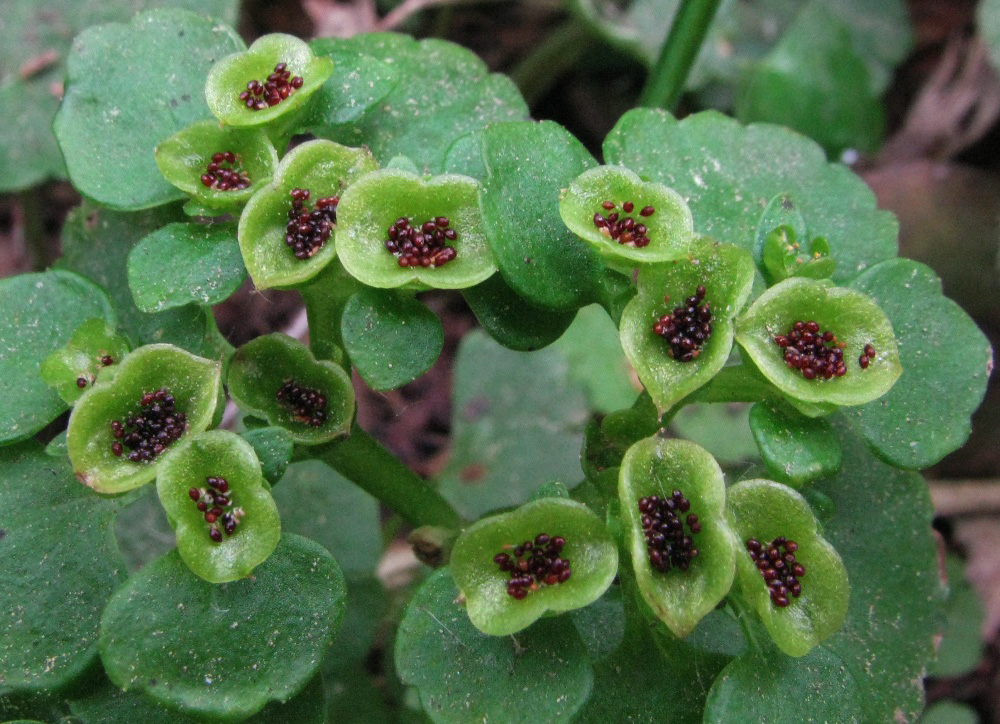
<point>325,297</point>
<point>687,33</point>
<point>362,460</point>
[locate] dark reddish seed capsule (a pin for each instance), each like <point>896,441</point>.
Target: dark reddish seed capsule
<point>778,567</point>
<point>814,353</point>
<point>194,494</point>
<point>307,405</point>
<point>607,205</point>
<point>627,207</point>
<point>647,211</point>
<point>308,230</point>
<point>117,449</point>
<point>687,328</point>
<point>668,545</point>
<point>81,382</point>
<point>422,245</point>
<point>532,564</point>
<point>148,432</point>
<point>863,361</point>
<point>869,351</point>
<point>276,87</point>
<point>215,534</point>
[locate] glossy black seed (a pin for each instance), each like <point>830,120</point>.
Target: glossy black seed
<point>778,566</point>
<point>667,543</point>
<point>533,564</point>
<point>151,430</point>
<point>687,328</point>
<point>424,245</point>
<point>276,87</point>
<point>306,404</point>
<point>815,354</point>
<point>308,230</point>
<point>623,229</point>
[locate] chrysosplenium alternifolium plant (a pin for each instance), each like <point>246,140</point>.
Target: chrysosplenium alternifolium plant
<point>650,584</point>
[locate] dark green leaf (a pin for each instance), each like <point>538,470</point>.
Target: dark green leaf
<point>40,314</point>
<point>723,430</point>
<point>96,243</point>
<point>34,41</point>
<point>767,686</point>
<point>511,320</point>
<point>962,647</point>
<point>727,171</point>
<point>795,448</point>
<point>183,263</point>
<point>359,81</point>
<point>142,530</point>
<point>896,596</point>
<point>814,82</point>
<point>517,423</point>
<point>527,165</point>
<point>59,566</point>
<point>316,502</point>
<point>944,357</point>
<point>949,712</point>
<point>109,124</point>
<point>450,87</point>
<point>273,446</point>
<point>464,675</point>
<point>224,651</point>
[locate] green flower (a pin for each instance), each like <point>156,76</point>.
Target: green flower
<point>771,513</point>
<point>93,352</point>
<point>495,607</point>
<point>400,200</point>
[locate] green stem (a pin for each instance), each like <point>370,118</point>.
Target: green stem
<point>557,53</point>
<point>737,383</point>
<point>687,33</point>
<point>362,460</point>
<point>325,297</point>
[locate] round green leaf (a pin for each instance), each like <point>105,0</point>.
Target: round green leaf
<point>853,317</point>
<point>194,383</point>
<point>726,272</point>
<point>511,320</point>
<point>114,114</point>
<point>443,91</point>
<point>765,510</point>
<point>184,158</point>
<point>229,77</point>
<point>670,226</point>
<point>59,566</point>
<point>371,205</point>
<point>224,652</point>
<point>262,366</point>
<point>658,466</point>
<point>83,357</point>
<point>726,171</point>
<point>358,83</point>
<point>391,338</point>
<point>41,312</point>
<point>273,447</point>
<point>183,263</point>
<point>944,357</point>
<point>527,165</point>
<point>322,167</point>
<point>795,448</point>
<point>219,453</point>
<point>464,675</point>
<point>589,549</point>
<point>766,686</point>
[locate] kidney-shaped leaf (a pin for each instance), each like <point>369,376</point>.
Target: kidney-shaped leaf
<point>224,651</point>
<point>129,87</point>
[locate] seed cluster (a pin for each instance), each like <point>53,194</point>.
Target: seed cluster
<point>866,356</point>
<point>534,564</point>
<point>216,503</point>
<point>306,404</point>
<point>276,87</point>
<point>308,231</point>
<point>666,542</point>
<point>687,328</point>
<point>106,360</point>
<point>224,173</point>
<point>776,563</point>
<point>151,430</point>
<point>812,352</point>
<point>425,245</point>
<point>623,228</point>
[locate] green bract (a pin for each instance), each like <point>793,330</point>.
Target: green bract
<point>184,158</point>
<point>669,227</point>
<point>853,317</point>
<point>219,454</point>
<point>726,272</point>
<point>657,466</point>
<point>324,168</point>
<point>93,343</point>
<point>194,383</point>
<point>589,549</point>
<point>795,448</point>
<point>369,207</point>
<point>263,366</point>
<point>229,77</point>
<point>765,510</point>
